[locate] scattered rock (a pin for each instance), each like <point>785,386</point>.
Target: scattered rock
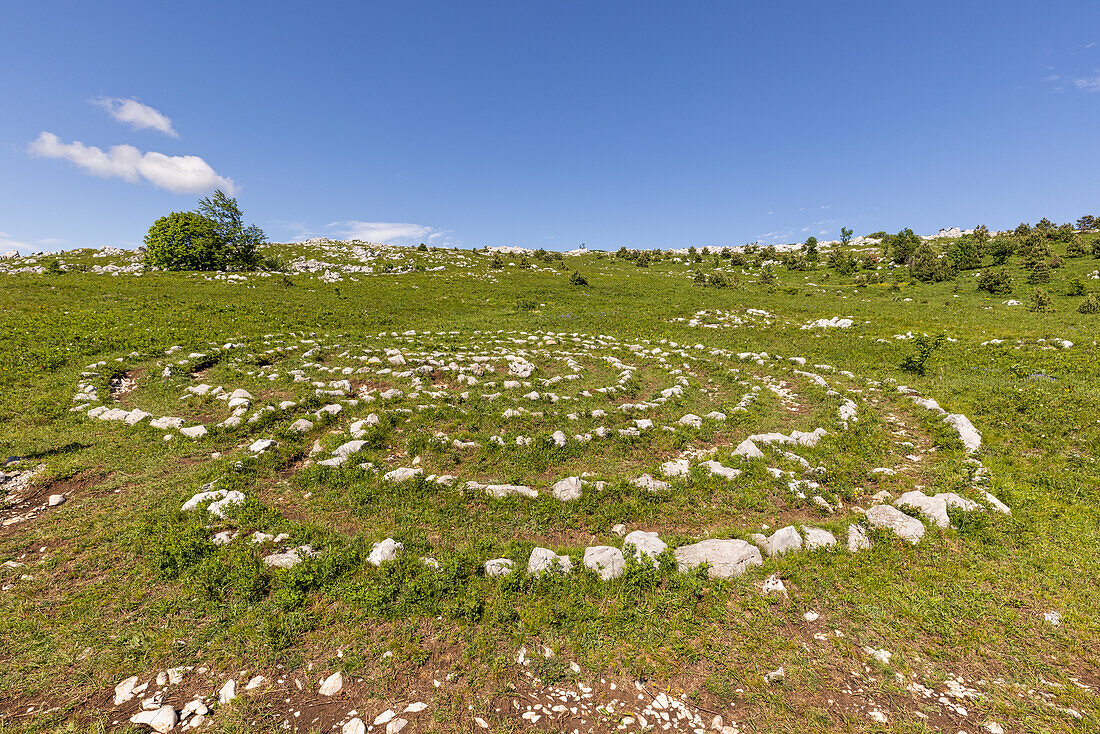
<point>608,562</point>
<point>332,685</point>
<point>896,521</point>
<point>499,567</point>
<point>567,489</point>
<point>727,558</point>
<point>784,540</point>
<point>385,550</point>
<point>544,559</point>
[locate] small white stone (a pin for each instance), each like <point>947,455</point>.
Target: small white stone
<point>332,685</point>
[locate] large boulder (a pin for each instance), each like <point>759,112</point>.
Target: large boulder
<point>934,508</point>
<point>605,560</point>
<point>544,560</point>
<point>727,558</point>
<point>645,544</point>
<point>567,489</point>
<point>784,540</point>
<point>892,519</point>
<point>972,440</point>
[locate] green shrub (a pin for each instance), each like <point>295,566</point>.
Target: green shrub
<point>923,346</point>
<point>576,279</point>
<point>1039,274</point>
<point>1091,304</point>
<point>1041,301</point>
<point>995,282</point>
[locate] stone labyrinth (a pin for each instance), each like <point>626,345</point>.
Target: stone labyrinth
<point>745,455</point>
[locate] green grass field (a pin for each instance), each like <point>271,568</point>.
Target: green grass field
<point>118,581</point>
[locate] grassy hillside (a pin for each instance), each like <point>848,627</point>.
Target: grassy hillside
<point>993,620</point>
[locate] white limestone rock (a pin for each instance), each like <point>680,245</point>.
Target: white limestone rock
<point>290,558</point>
<point>646,544</point>
<point>605,560</point>
<point>567,489</point>
<point>347,449</point>
<point>301,426</point>
<point>817,538</point>
<point>403,474</point>
<point>857,539</point>
<point>933,508</point>
<point>499,567</point>
<point>650,484</point>
<point>691,420</point>
<point>717,469</point>
<point>332,685</point>
<point>972,440</point>
<point>891,518</point>
<point>727,558</point>
<point>544,560</point>
<point>676,468</point>
<point>504,490</point>
<point>748,449</point>
<point>161,720</point>
<point>385,550</point>
<point>194,431</point>
<point>784,540</point>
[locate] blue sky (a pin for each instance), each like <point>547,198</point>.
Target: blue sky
<point>547,124</point>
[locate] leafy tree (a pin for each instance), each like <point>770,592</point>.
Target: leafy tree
<point>1063,234</point>
<point>845,235</point>
<point>964,253</point>
<point>184,241</point>
<point>1044,225</point>
<point>925,265</point>
<point>1023,229</point>
<point>240,242</point>
<point>718,279</point>
<point>1034,250</point>
<point>213,238</point>
<point>810,249</point>
<point>1076,247</point>
<point>1001,249</point>
<point>1086,222</point>
<point>903,245</point>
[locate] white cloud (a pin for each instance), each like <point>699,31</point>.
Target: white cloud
<point>180,174</point>
<point>1089,84</point>
<point>136,115</point>
<point>7,242</point>
<point>389,233</point>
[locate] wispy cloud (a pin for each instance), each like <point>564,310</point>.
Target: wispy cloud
<point>7,242</point>
<point>389,233</point>
<point>1088,84</point>
<point>180,174</point>
<point>135,114</point>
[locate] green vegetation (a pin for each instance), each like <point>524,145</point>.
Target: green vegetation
<point>213,238</point>
<point>128,583</point>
